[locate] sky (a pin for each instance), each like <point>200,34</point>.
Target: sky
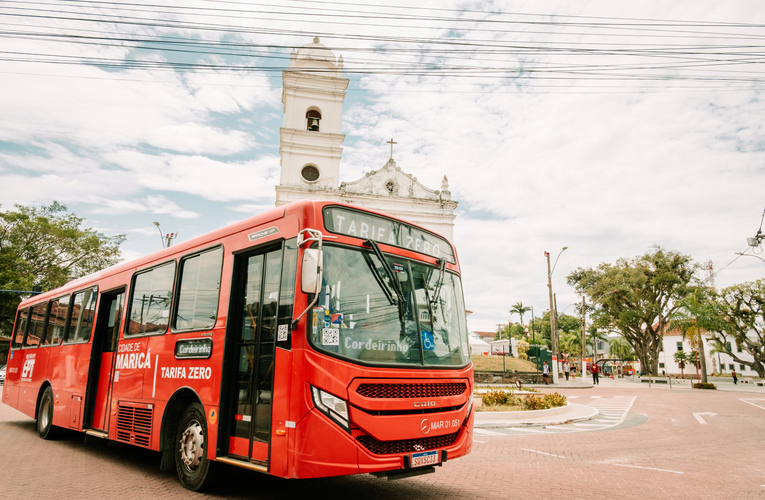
<point>605,127</point>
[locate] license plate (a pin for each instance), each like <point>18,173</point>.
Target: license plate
<point>424,458</point>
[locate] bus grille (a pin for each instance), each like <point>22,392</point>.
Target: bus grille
<point>406,445</point>
<point>401,391</point>
<point>134,423</point>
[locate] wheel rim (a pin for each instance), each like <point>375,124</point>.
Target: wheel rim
<point>45,414</point>
<point>192,445</point>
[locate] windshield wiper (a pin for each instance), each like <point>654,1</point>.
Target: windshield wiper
<point>394,284</point>
<point>437,289</point>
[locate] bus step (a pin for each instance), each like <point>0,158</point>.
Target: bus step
<point>242,463</point>
<point>98,434</point>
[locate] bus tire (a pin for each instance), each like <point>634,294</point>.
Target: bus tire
<point>45,427</point>
<point>191,461</point>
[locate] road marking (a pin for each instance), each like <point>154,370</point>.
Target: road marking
<point>533,431</point>
<point>542,453</point>
<point>477,441</point>
<point>701,420</point>
<point>649,468</point>
<point>594,397</point>
<point>484,432</point>
<point>571,397</point>
<point>753,404</point>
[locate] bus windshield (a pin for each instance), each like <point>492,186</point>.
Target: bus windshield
<point>398,311</point>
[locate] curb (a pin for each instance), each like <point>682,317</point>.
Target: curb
<point>537,414</point>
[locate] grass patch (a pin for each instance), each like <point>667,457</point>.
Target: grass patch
<point>494,364</point>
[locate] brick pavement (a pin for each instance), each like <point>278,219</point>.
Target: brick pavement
<point>719,459</point>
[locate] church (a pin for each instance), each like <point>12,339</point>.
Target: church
<point>310,148</point>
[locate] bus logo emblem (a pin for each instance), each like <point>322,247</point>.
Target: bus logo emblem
<point>425,426</point>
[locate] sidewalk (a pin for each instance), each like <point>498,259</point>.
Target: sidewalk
<point>568,414</point>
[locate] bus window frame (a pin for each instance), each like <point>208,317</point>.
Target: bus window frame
<point>66,318</point>
<point>177,290</point>
<point>421,366</point>
<point>29,321</point>
<point>66,340</point>
<point>126,325</point>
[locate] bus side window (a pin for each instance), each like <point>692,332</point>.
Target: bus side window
<point>56,320</point>
<point>21,328</point>
<point>198,291</point>
<point>150,301</point>
<point>81,320</point>
<point>36,321</point>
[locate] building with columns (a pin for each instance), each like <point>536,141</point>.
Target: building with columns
<point>311,148</point>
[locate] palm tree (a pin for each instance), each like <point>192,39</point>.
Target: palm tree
<point>596,336</point>
<point>696,314</point>
<point>519,310</point>
<point>681,358</point>
<point>620,348</point>
<point>571,342</point>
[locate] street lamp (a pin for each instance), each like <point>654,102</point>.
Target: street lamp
<point>161,238</point>
<point>553,319</point>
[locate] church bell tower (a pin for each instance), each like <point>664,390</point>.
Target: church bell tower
<point>310,141</point>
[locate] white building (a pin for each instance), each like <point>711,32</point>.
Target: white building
<point>478,346</point>
<point>716,362</point>
<point>311,147</point>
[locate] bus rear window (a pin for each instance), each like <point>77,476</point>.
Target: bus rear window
<point>36,325</point>
<point>198,292</point>
<point>21,327</point>
<point>81,320</point>
<point>150,300</point>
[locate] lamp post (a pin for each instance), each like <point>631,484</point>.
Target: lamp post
<point>161,238</point>
<point>553,319</point>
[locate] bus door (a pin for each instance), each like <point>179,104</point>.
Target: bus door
<point>105,341</point>
<point>253,359</point>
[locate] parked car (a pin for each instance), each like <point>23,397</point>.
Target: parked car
<point>2,374</point>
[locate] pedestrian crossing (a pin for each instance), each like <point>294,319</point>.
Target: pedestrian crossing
<point>611,412</point>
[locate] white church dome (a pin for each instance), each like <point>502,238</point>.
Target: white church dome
<point>315,55</point>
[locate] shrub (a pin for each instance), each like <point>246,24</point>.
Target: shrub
<point>555,399</point>
<point>544,402</point>
<point>702,385</point>
<point>495,397</point>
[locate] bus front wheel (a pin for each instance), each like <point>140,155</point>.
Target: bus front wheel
<point>191,461</point>
<point>45,427</point>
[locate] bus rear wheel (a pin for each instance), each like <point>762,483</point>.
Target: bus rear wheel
<point>45,427</point>
<point>191,461</point>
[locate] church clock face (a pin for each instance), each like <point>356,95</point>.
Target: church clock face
<point>310,173</point>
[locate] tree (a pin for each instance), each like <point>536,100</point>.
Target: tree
<point>741,311</point>
<point>681,358</point>
<point>571,342</point>
<point>696,314</point>
<point>566,323</point>
<point>47,247</point>
<point>523,348</point>
<point>637,296</point>
<point>596,336</point>
<point>621,349</point>
<point>520,310</point>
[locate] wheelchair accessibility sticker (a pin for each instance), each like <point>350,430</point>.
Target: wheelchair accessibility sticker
<point>427,341</point>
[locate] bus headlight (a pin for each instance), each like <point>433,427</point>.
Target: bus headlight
<point>332,406</point>
<point>469,407</point>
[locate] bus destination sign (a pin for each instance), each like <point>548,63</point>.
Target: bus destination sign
<point>193,349</point>
<point>366,226</point>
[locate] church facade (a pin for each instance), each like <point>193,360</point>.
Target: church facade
<point>310,148</point>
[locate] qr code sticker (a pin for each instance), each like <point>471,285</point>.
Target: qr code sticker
<point>330,336</point>
<point>283,333</point>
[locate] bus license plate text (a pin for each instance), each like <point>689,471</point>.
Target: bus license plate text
<point>424,458</point>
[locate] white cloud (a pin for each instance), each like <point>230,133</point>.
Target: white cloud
<point>150,204</point>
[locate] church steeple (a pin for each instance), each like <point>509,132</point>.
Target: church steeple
<point>310,142</point>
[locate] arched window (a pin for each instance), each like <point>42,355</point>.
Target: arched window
<point>312,119</point>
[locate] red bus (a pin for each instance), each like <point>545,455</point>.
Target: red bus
<point>316,339</point>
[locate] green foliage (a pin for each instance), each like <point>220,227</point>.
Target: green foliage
<point>637,296</point>
<point>544,402</point>
<point>566,323</point>
<point>498,397</point>
<point>621,349</point>
<point>697,314</point>
<point>741,311</point>
<point>681,358</point>
<point>47,247</point>
<point>520,310</point>
<point>571,342</point>
<point>704,385</point>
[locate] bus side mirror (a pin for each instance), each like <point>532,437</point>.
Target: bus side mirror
<point>310,277</point>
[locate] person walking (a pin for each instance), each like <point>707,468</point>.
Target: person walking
<point>735,378</point>
<point>545,373</point>
<point>566,369</point>
<point>595,371</point>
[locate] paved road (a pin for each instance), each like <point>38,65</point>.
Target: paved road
<point>657,449</point>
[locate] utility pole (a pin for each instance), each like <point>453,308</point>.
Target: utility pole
<point>584,346</point>
<point>553,343</point>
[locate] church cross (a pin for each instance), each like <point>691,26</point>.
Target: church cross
<point>391,146</point>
